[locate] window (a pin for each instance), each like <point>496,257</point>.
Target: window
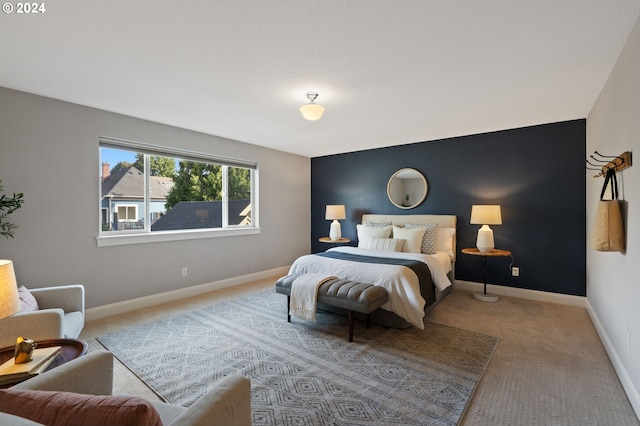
<point>147,189</point>
<point>127,213</point>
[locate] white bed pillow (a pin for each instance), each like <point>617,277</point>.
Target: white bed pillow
<point>367,232</point>
<point>385,244</point>
<point>428,245</point>
<point>445,239</point>
<point>412,237</point>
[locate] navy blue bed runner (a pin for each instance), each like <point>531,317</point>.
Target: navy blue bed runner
<point>421,269</point>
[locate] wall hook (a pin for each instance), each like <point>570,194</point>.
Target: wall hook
<point>616,163</point>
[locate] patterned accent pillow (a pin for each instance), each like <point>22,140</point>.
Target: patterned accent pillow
<point>28,303</point>
<point>430,238</point>
<point>377,224</point>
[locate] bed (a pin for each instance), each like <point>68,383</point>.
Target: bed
<point>412,256</point>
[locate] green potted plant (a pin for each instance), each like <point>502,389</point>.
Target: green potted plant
<point>7,206</point>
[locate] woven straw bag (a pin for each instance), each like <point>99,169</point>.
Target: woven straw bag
<point>608,230</point>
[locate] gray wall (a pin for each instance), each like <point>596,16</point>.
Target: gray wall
<point>49,151</point>
<point>613,289</point>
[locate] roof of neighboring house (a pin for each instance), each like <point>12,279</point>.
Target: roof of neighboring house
<point>201,214</point>
<point>129,182</point>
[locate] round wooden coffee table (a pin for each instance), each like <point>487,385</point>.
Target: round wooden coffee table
<point>69,349</point>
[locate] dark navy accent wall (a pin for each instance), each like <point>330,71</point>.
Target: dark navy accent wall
<point>535,173</point>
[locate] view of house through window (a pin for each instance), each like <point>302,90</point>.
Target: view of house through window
<point>147,190</point>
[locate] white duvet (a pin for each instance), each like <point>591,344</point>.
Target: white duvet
<point>401,282</point>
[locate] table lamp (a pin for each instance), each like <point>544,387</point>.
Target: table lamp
<point>9,300</point>
<point>335,212</point>
<point>485,215</point>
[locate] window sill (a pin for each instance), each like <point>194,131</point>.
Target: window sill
<point>157,237</point>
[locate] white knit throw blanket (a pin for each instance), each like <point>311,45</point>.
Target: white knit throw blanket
<point>304,295</point>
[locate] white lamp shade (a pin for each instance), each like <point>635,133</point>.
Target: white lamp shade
<point>486,215</point>
<point>335,211</point>
<point>9,300</point>
<point>312,111</point>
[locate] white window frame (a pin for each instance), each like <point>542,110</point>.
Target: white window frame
<point>114,238</point>
<point>126,206</point>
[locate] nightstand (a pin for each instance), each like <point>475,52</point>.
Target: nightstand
<point>334,242</point>
<point>484,296</point>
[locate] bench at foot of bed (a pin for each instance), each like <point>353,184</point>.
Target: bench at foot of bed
<point>340,293</point>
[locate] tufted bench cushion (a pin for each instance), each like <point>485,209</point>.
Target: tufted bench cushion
<point>341,293</point>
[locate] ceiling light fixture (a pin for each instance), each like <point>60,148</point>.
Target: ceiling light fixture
<point>312,111</point>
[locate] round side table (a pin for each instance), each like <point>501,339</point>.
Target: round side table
<point>69,349</point>
<point>484,296</point>
<point>334,242</point>
<point>338,241</point>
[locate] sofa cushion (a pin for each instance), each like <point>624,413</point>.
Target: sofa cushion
<point>28,303</point>
<point>73,324</point>
<point>70,409</point>
<point>10,419</point>
<point>168,413</point>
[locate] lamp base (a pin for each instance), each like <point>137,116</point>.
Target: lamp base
<point>335,232</point>
<point>485,297</point>
<point>484,243</point>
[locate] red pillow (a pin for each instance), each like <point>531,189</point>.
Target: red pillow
<point>71,409</point>
<point>28,303</point>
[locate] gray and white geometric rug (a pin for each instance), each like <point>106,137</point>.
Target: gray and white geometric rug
<point>305,373</point>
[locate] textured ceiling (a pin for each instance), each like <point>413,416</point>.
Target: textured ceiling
<point>388,72</point>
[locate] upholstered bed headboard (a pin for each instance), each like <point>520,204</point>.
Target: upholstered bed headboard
<point>443,221</point>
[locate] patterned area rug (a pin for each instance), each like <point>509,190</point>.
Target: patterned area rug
<point>305,373</point>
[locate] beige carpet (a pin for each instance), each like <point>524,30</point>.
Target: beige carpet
<point>549,368</point>
<point>305,373</point>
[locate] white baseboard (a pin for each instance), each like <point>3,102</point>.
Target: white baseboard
<point>170,296</point>
<point>621,371</point>
<point>541,296</point>
<point>579,301</point>
<point>142,302</point>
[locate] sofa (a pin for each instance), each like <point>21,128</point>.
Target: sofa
<point>227,403</point>
<point>57,312</point>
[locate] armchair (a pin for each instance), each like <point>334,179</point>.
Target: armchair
<point>61,314</point>
<point>228,403</point>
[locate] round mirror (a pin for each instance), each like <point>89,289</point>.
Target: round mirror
<point>407,188</point>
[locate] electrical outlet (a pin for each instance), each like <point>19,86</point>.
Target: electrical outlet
<point>515,271</point>
<point>184,272</point>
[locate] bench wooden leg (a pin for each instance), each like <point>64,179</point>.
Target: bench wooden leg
<point>351,320</point>
<point>288,308</point>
